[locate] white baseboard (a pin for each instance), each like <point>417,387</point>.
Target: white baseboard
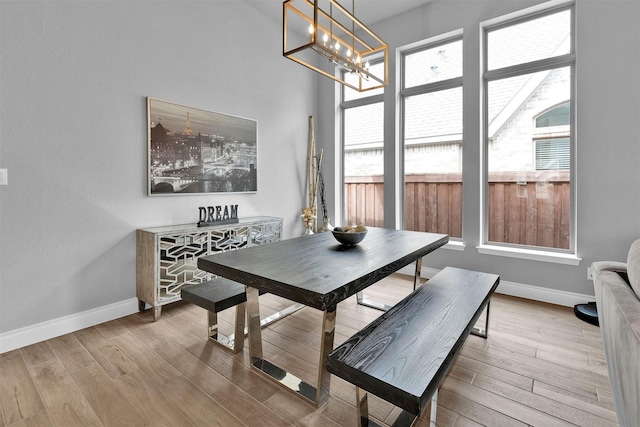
<point>536,293</point>
<point>74,322</point>
<point>46,330</point>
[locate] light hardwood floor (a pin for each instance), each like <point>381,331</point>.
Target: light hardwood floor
<point>540,366</point>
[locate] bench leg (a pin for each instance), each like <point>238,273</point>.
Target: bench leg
<point>416,279</point>
<point>213,325</point>
<point>405,419</point>
<point>483,332</point>
<point>234,342</point>
<point>434,408</point>
<point>361,300</point>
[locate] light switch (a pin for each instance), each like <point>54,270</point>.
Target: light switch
<point>3,177</point>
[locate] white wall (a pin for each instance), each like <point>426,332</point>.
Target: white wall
<point>608,134</point>
<point>74,77</point>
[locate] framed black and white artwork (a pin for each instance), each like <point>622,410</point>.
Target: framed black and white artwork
<point>194,151</point>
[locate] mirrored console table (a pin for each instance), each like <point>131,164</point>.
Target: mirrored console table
<point>166,257</point>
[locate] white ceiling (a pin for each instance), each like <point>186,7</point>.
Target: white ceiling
<point>367,11</point>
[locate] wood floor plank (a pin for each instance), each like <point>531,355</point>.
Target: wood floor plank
<point>71,352</point>
<point>507,363</point>
<point>232,369</point>
<point>114,362</point>
<point>37,353</point>
<point>299,413</point>
<point>152,406</point>
<point>549,406</point>
<point>246,408</point>
<point>605,398</point>
<point>66,403</point>
<point>342,413</point>
<point>501,404</point>
<point>112,407</point>
<point>572,372</point>
<point>594,407</point>
<point>574,360</point>
<point>195,404</point>
<point>146,359</point>
<point>19,398</point>
<point>112,328</point>
<point>39,419</point>
<point>468,408</point>
<point>378,408</point>
<point>478,364</point>
<point>540,339</point>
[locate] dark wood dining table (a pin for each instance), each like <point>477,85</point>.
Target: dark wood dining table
<point>319,272</point>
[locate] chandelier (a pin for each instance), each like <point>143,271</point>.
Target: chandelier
<point>323,35</point>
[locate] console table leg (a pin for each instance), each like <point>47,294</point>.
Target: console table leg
<point>141,305</point>
<point>156,312</point>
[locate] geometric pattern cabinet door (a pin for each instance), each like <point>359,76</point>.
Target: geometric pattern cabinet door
<point>166,257</point>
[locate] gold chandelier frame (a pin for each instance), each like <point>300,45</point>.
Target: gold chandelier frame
<point>337,36</point>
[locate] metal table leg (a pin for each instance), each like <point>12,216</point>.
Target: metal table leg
<point>385,307</point>
<point>318,394</point>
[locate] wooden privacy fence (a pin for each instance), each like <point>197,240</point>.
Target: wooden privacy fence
<point>528,208</point>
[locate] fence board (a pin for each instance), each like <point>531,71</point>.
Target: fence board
<point>529,209</point>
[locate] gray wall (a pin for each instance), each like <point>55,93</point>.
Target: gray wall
<point>608,133</point>
<point>74,77</point>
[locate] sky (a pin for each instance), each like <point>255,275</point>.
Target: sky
<point>174,118</point>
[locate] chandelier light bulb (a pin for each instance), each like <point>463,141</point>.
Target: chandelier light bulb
<point>337,46</point>
<point>311,29</point>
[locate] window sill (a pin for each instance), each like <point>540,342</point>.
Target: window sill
<point>530,254</point>
<point>455,245</point>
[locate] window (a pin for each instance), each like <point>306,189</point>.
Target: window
<point>528,80</point>
<point>551,138</point>
<point>432,137</point>
<point>363,155</point>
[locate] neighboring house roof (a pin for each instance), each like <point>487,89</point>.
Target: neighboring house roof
<point>441,121</point>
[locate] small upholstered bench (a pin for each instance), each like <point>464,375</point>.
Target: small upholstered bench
<point>404,355</point>
<point>217,295</point>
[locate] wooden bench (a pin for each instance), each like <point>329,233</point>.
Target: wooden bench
<point>405,354</point>
<point>217,295</point>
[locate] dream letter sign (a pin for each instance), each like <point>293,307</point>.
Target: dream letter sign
<point>217,215</point>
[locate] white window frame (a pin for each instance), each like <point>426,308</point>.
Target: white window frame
<point>343,106</point>
<point>562,256</point>
<point>404,93</point>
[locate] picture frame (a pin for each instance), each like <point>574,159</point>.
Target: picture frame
<point>195,151</point>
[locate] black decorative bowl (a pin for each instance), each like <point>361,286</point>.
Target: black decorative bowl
<point>349,237</point>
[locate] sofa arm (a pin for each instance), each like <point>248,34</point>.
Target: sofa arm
<point>619,267</point>
<point>619,318</point>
